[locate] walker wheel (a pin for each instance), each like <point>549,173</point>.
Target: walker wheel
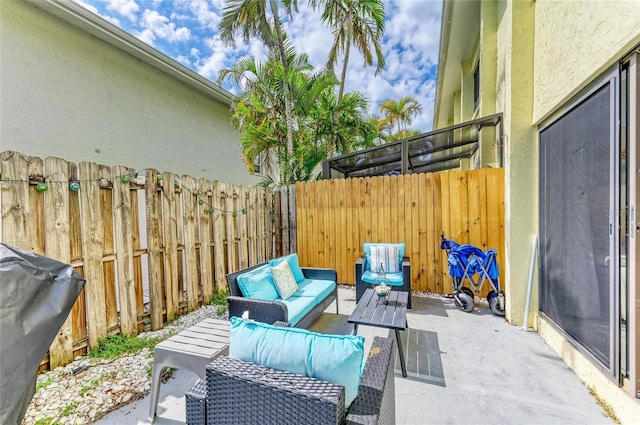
<point>490,295</point>
<point>494,305</point>
<point>463,302</point>
<point>467,291</point>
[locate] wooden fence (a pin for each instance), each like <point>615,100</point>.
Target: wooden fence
<point>335,217</point>
<point>151,246</point>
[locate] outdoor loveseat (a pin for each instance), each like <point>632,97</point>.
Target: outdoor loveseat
<point>239,391</point>
<point>253,290</point>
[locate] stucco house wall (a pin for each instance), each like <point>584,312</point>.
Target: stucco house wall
<point>582,40</point>
<point>546,52</point>
<point>68,94</point>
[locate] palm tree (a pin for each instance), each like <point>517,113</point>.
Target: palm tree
<point>250,17</point>
<point>257,112</point>
<point>357,22</point>
<point>350,130</point>
<point>400,113</point>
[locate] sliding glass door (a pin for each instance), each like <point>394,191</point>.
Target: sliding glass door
<point>578,216</point>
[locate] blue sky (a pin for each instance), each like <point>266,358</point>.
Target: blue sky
<point>187,31</point>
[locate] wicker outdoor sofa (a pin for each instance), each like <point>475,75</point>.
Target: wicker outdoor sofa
<point>239,392</point>
<point>271,311</point>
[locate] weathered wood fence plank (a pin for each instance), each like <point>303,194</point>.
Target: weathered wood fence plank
<point>219,227</point>
<point>154,247</point>
<point>57,244</point>
<point>206,239</point>
<point>18,213</point>
<point>244,226</point>
<point>190,224</point>
<point>124,251</point>
<point>92,235</point>
<point>170,204</point>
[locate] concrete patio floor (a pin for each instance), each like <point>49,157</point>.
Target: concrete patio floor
<point>483,371</point>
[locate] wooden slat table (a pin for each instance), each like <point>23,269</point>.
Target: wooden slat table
<point>371,312</point>
<point>192,349</point>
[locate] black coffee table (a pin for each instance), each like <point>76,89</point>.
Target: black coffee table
<point>370,311</point>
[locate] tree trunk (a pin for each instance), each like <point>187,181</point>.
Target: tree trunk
<point>343,77</point>
<point>288,109</point>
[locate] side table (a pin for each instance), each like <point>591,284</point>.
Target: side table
<point>370,311</point>
<point>192,349</point>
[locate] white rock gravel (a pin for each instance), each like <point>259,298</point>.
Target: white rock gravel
<point>105,385</point>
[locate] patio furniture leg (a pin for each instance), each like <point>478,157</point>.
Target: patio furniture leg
<point>401,354</point>
<point>155,388</point>
<point>355,329</point>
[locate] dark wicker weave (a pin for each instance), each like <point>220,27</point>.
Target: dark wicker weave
<point>363,286</point>
<point>239,392</point>
<point>274,311</point>
<point>195,402</point>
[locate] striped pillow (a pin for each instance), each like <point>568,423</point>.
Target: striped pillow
<point>387,256</point>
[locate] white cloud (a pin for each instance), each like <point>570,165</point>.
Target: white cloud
<point>203,11</point>
<point>183,60</point>
<point>91,8</point>
<point>221,57</point>
<point>161,27</point>
<point>309,35</point>
<point>126,8</point>
<point>147,36</point>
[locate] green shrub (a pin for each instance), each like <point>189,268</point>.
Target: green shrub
<point>69,409</point>
<point>47,421</point>
<point>116,345</point>
<point>43,384</point>
<point>219,299</point>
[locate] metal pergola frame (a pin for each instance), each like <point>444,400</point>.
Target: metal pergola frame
<point>436,150</point>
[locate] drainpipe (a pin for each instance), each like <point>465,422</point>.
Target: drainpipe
<point>534,249</point>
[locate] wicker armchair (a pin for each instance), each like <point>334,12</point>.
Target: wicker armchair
<point>400,281</point>
<point>238,392</point>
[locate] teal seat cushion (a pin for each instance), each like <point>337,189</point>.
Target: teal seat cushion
<point>298,307</point>
<point>294,264</point>
<point>332,358</point>
<point>258,283</point>
<point>393,279</point>
<point>315,288</point>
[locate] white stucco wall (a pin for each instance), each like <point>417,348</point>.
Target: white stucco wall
<point>65,93</point>
<point>575,42</point>
<point>514,97</point>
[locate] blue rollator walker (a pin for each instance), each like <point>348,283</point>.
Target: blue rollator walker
<point>467,261</point>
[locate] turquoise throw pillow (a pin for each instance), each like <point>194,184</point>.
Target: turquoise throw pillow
<point>333,358</point>
<point>258,283</point>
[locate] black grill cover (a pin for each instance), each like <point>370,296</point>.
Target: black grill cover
<point>36,296</point>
